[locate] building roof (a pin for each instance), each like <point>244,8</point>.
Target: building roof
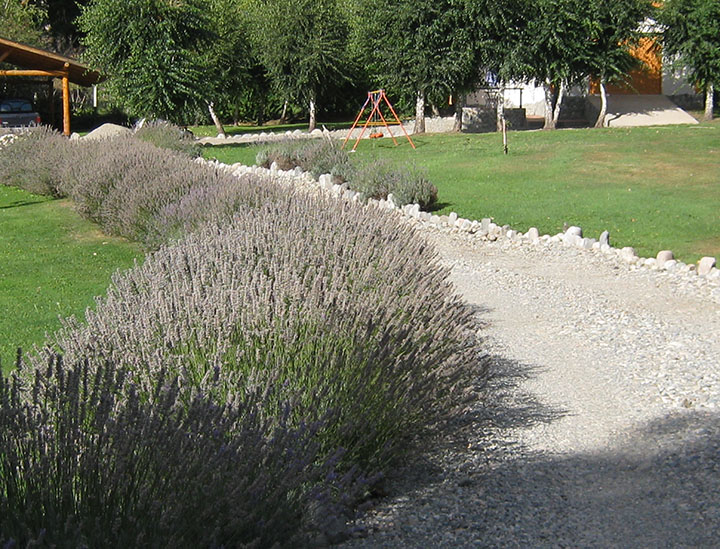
<point>28,57</point>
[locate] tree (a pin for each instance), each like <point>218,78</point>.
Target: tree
<point>21,21</point>
<point>303,46</point>
<point>614,27</point>
<point>152,52</point>
<point>551,49</point>
<point>692,33</point>
<point>418,47</point>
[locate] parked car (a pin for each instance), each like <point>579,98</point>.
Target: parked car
<point>18,112</point>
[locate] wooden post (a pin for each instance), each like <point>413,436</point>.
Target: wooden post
<point>504,134</point>
<point>66,102</point>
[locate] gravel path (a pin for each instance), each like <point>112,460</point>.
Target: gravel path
<point>600,426</point>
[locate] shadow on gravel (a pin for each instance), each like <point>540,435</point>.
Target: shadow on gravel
<point>473,485</point>
<point>658,488</point>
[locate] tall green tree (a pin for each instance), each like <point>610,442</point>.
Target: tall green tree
<point>551,49</point>
<point>614,28</point>
<point>152,52</point>
<point>303,46</point>
<point>692,33</point>
<point>418,47</point>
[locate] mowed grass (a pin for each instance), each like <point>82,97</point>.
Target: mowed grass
<point>52,264</point>
<point>653,188</point>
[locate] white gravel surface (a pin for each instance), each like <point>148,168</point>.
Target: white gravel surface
<point>600,426</point>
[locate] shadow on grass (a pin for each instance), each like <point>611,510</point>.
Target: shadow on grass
<point>439,206</point>
<point>21,203</point>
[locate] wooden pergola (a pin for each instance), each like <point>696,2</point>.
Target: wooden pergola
<point>37,62</point>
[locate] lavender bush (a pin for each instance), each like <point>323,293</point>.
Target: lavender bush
<point>317,156</point>
<point>86,461</point>
<point>35,161</point>
<point>408,185</point>
<point>168,136</point>
<point>346,306</point>
<point>375,179</point>
<point>123,185</point>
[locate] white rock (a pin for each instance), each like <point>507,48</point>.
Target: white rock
<point>669,265</point>
<point>605,238</point>
<point>628,254</point>
<point>650,262</point>
<point>705,265</point>
<point>663,256</point>
<point>391,201</point>
<point>453,218</point>
<point>533,233</point>
<point>577,231</point>
<point>511,234</point>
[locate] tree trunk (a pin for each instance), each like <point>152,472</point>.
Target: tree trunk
<point>500,109</point>
<point>558,104</point>
<point>549,96</point>
<point>600,122</point>
<point>419,113</point>
<point>216,120</point>
<point>283,116</point>
<point>459,104</point>
<point>313,119</point>
<point>709,100</point>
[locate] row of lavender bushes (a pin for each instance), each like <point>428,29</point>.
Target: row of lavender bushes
<point>246,383</point>
<point>372,179</point>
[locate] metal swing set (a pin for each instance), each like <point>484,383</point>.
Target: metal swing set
<point>376,118</point>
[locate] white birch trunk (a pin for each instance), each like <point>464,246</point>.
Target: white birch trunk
<point>216,120</point>
<point>547,88</point>
<point>709,99</point>
<point>558,104</point>
<point>419,113</point>
<point>600,122</point>
<point>459,104</point>
<point>313,120</point>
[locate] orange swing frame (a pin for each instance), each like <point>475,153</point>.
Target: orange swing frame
<point>376,97</point>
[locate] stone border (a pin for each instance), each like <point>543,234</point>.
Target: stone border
<point>705,272</point>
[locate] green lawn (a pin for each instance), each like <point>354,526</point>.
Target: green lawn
<point>653,188</point>
<point>52,263</point>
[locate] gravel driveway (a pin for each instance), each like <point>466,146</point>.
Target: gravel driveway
<point>600,426</point>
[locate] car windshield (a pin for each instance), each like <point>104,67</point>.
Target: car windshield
<point>15,106</point>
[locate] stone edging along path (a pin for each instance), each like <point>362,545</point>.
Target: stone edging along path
<point>703,275</point>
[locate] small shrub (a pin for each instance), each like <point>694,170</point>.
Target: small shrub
<point>317,156</point>
<point>408,185</point>
<point>35,161</point>
<point>168,136</point>
<point>86,461</point>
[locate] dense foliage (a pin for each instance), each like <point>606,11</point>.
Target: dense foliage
<point>152,51</point>
<point>86,460</point>
<point>692,33</point>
